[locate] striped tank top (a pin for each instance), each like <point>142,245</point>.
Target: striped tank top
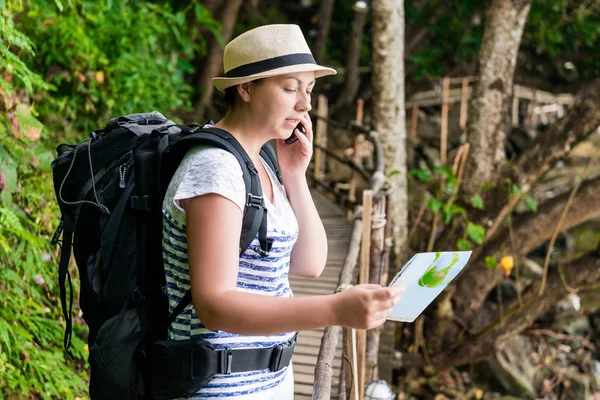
<point>259,275</point>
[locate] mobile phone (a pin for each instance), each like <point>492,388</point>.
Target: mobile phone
<point>293,138</point>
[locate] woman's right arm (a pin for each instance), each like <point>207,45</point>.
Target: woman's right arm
<point>214,225</point>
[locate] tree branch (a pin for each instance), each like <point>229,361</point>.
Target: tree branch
<point>584,118</point>
<point>529,232</point>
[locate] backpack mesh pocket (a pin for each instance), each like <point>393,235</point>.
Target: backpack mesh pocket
<point>115,371</point>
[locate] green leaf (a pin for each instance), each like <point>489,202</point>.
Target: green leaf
<point>450,210</point>
<point>531,203</point>
<point>434,204</point>
<point>515,189</point>
<point>446,214</point>
<point>463,245</point>
<point>477,201</point>
<point>10,172</point>
<point>490,262</point>
<point>446,171</point>
<point>421,174</point>
<point>476,232</point>
<point>451,184</point>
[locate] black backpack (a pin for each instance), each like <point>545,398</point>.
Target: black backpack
<point>110,188</point>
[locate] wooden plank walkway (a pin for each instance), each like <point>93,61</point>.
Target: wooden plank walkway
<point>338,230</point>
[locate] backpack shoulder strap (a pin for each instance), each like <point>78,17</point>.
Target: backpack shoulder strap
<point>255,213</point>
<point>267,152</point>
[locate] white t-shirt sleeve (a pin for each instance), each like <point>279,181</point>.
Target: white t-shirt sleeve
<point>211,170</point>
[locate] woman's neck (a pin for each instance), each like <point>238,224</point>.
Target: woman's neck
<point>247,133</point>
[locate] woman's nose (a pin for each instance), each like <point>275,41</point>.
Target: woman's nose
<point>303,104</point>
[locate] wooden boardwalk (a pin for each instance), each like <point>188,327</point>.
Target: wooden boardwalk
<point>338,230</point>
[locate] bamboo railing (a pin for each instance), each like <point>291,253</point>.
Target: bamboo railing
<point>369,222</point>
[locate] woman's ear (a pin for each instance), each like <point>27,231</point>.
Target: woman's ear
<point>244,91</point>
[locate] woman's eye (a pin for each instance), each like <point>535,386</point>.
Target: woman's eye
<point>290,90</point>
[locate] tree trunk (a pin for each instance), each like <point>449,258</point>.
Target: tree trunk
<point>213,64</point>
<point>352,76</point>
<point>388,107</point>
<point>324,20</point>
<point>504,24</point>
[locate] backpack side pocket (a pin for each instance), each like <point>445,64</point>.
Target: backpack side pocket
<point>115,371</point>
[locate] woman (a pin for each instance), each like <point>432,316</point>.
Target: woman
<point>246,302</point>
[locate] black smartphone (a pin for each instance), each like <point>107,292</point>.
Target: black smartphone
<point>293,138</point>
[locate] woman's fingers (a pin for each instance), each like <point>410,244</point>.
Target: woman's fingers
<point>306,144</point>
<point>307,122</point>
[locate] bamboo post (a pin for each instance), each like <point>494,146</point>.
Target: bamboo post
<point>376,272</point>
<point>414,121</point>
<point>344,371</point>
<point>365,254</point>
<point>464,96</point>
<point>444,133</point>
<point>360,105</point>
<point>321,137</point>
<point>515,106</point>
<point>349,376</point>
<point>359,118</point>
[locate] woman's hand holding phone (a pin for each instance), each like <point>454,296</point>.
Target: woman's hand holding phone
<point>293,138</point>
<point>294,157</point>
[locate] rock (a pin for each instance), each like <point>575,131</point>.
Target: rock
<point>596,372</point>
<point>513,368</point>
<point>532,269</point>
<point>508,290</point>
<point>572,302</point>
<point>498,396</point>
<point>572,323</point>
<point>575,386</point>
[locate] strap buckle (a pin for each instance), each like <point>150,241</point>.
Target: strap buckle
<point>266,251</point>
<point>281,356</point>
<point>226,361</point>
<point>140,203</point>
<point>254,201</point>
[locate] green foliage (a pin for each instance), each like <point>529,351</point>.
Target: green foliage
<point>560,38</point>
<point>16,44</point>
<point>476,232</point>
<point>421,174</point>
<point>434,204</point>
<point>491,262</point>
<point>531,203</point>
<point>515,190</point>
<point>32,362</point>
<point>463,245</point>
<point>453,32</point>
<point>449,210</point>
<point>477,201</point>
<point>107,58</point>
<point>565,37</point>
<point>66,66</point>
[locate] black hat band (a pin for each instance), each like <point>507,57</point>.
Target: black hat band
<point>270,64</point>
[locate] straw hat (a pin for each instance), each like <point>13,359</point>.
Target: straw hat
<point>266,51</point>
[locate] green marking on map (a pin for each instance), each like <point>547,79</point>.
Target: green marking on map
<point>435,274</point>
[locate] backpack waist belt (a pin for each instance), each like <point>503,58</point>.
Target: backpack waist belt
<point>185,366</point>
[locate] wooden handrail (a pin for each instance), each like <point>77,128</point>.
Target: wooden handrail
<point>377,180</point>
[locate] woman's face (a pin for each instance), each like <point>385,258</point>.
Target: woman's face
<point>279,102</point>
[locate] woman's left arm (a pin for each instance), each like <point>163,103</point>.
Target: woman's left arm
<point>310,251</point>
